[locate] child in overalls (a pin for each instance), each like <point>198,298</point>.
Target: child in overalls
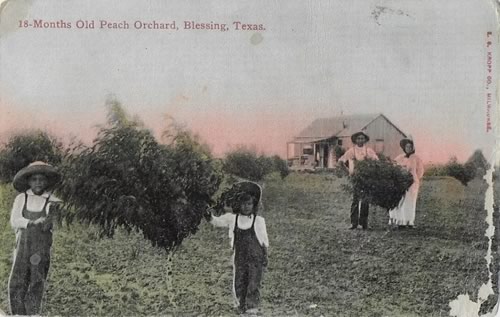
<point>249,241</point>
<point>32,222</point>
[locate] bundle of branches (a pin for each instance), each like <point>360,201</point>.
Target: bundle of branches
<point>128,179</point>
<point>381,183</point>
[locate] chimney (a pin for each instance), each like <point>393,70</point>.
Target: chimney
<point>344,124</point>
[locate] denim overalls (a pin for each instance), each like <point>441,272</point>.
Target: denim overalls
<point>248,263</point>
<point>31,265</point>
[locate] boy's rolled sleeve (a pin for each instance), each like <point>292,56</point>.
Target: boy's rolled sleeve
<point>17,221</point>
<point>223,221</point>
<point>261,232</point>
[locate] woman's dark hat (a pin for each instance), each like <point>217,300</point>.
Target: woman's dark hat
<point>405,141</point>
<point>22,177</point>
<point>355,135</point>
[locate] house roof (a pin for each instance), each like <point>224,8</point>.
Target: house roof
<point>336,126</point>
<point>341,126</point>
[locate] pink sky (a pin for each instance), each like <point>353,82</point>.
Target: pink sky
<point>266,131</point>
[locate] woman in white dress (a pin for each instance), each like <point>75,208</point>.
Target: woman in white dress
<point>404,214</point>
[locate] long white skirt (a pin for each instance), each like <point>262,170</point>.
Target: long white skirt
<point>404,213</point>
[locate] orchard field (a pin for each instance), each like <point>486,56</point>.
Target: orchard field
<point>316,265</point>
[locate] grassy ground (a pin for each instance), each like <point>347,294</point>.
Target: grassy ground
<point>317,266</point>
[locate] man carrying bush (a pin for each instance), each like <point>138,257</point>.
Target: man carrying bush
<point>359,152</point>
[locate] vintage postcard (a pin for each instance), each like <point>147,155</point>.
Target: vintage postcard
<point>221,158</point>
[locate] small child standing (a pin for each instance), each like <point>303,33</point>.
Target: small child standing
<point>249,241</point>
<point>32,222</point>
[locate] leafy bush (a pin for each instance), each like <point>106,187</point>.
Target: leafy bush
<point>478,162</point>
<point>381,183</point>
<point>27,147</point>
<point>245,163</point>
<point>340,171</point>
<point>463,172</point>
<point>280,165</point>
<point>127,178</point>
<point>435,170</point>
<point>475,167</point>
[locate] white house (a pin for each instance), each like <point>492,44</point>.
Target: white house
<point>322,142</point>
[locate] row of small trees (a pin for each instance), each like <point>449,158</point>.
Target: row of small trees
<point>244,162</point>
<point>127,178</point>
<point>475,167</point>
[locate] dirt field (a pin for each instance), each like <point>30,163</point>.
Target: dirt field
<point>317,266</point>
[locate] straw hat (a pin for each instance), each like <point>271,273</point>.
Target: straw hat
<point>355,135</point>
<point>22,177</point>
<point>250,188</point>
<point>231,197</point>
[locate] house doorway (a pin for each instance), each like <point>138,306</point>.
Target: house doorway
<point>326,154</point>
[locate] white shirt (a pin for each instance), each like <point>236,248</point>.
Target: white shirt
<point>357,153</point>
<point>35,204</point>
<point>244,222</point>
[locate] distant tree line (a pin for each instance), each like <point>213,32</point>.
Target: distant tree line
<point>244,162</point>
<point>475,167</point>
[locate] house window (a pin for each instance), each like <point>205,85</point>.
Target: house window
<point>339,142</point>
<point>379,145</point>
<point>307,151</point>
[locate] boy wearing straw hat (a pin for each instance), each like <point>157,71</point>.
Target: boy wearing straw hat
<point>32,222</point>
<point>249,241</point>
<point>359,152</point>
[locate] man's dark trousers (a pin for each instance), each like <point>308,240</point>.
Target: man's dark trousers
<point>359,214</point>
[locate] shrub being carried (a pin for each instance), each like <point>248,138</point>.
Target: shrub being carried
<point>381,183</point>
